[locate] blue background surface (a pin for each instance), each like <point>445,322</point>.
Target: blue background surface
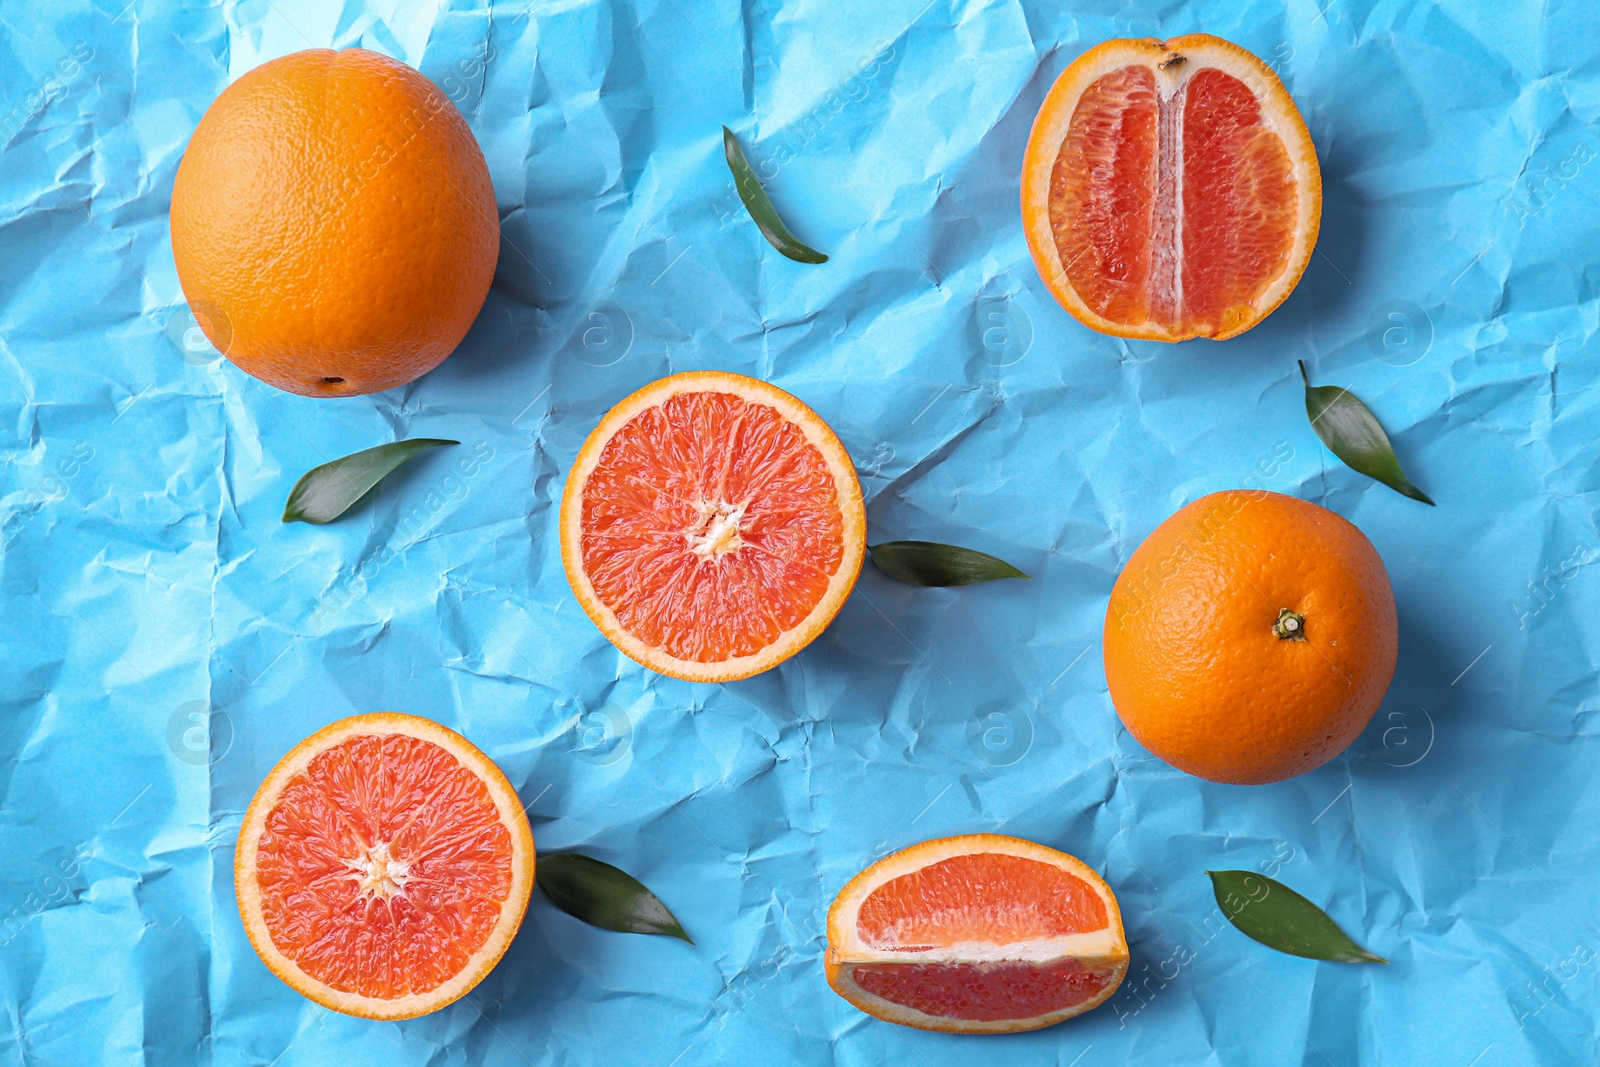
<point>166,638</point>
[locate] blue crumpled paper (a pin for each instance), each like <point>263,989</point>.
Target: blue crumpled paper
<point>167,638</point>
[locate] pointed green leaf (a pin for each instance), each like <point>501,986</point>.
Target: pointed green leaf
<point>324,493</point>
<point>1351,432</point>
<point>930,563</point>
<point>760,206</point>
<point>604,896</point>
<point>1278,917</point>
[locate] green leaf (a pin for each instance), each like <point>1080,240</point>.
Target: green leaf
<point>604,896</point>
<point>1278,917</point>
<point>930,563</point>
<point>760,206</point>
<point>324,493</point>
<point>1351,432</point>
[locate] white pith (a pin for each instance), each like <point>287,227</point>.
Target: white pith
<point>377,873</point>
<point>1055,119</point>
<point>1038,950</point>
<point>716,532</point>
<point>1166,257</point>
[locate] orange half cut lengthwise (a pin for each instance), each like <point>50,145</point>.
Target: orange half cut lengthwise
<point>712,526</point>
<point>1170,189</point>
<point>977,934</point>
<point>383,867</point>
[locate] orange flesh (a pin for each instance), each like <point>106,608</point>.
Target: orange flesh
<point>983,991</point>
<point>984,897</point>
<point>1172,211</point>
<point>449,875</point>
<point>675,477</point>
<point>1102,198</point>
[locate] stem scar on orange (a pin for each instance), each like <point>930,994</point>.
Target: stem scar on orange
<point>976,934</point>
<point>1250,638</point>
<point>712,526</point>
<point>333,223</point>
<point>1170,189</point>
<point>383,867</point>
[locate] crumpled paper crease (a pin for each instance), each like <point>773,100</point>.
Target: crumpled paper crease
<point>168,638</point>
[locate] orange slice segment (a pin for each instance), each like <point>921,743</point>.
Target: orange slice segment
<point>980,933</point>
<point>712,526</point>
<point>1170,189</point>
<point>383,867</point>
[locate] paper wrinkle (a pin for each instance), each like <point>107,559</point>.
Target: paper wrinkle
<point>146,571</point>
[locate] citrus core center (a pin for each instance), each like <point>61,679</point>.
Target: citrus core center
<point>378,874</point>
<point>715,532</point>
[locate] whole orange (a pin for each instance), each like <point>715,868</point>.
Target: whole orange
<point>1250,637</point>
<point>333,223</point>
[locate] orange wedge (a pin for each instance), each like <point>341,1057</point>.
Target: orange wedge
<point>712,526</point>
<point>977,934</point>
<point>383,866</point>
<point>1170,189</point>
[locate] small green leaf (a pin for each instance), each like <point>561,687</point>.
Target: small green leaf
<point>604,896</point>
<point>1351,432</point>
<point>930,563</point>
<point>324,493</point>
<point>1278,917</point>
<point>760,206</point>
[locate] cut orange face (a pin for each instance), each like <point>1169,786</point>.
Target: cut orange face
<point>977,934</point>
<point>1170,189</point>
<point>383,866</point>
<point>712,526</point>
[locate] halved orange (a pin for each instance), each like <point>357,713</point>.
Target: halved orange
<point>1170,189</point>
<point>712,526</point>
<point>976,934</point>
<point>383,866</point>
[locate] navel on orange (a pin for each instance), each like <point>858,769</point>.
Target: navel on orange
<point>383,866</point>
<point>1250,638</point>
<point>1170,189</point>
<point>976,934</point>
<point>712,526</point>
<point>333,224</point>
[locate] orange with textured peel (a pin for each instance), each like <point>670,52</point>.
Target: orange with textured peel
<point>383,866</point>
<point>333,224</point>
<point>1170,189</point>
<point>712,526</point>
<point>1250,638</point>
<point>977,934</point>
